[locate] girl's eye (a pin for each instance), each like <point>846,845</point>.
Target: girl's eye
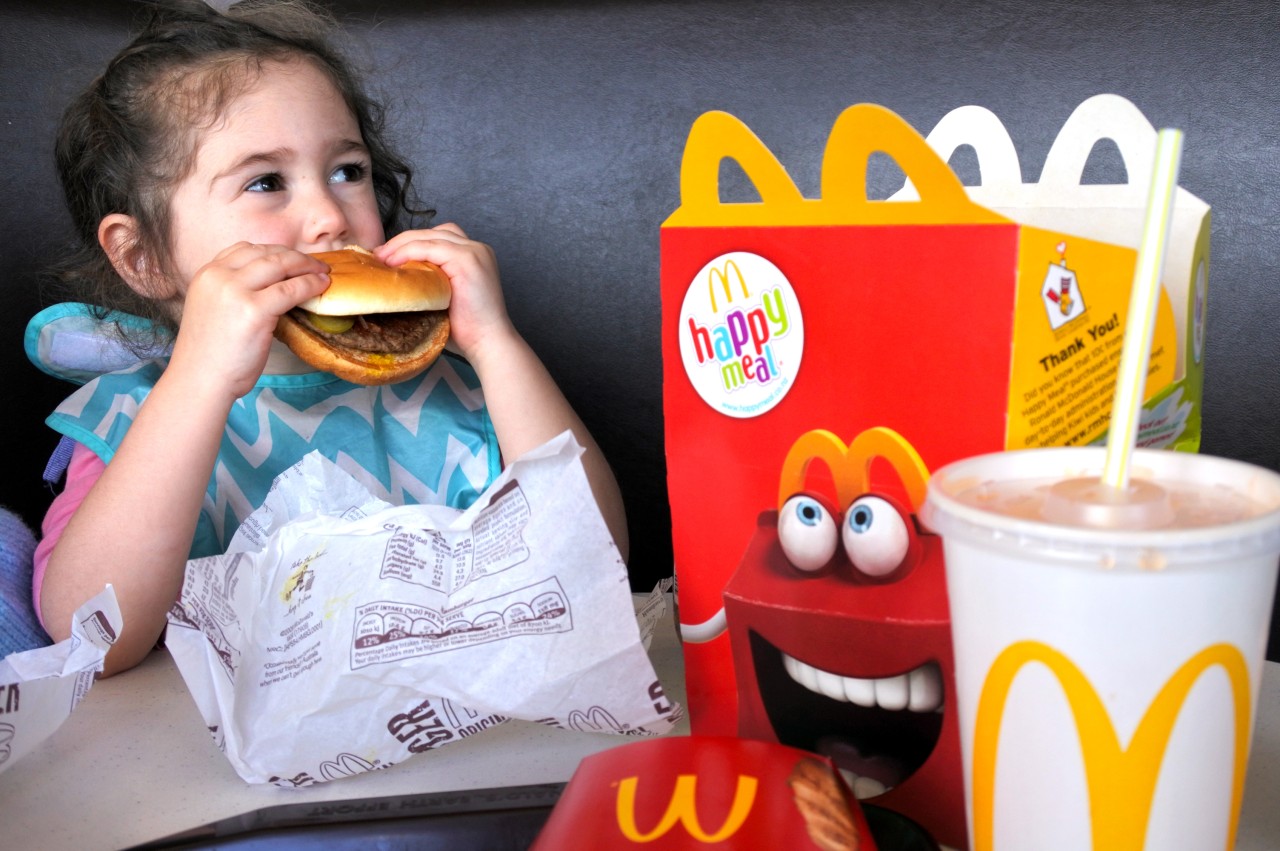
<point>348,173</point>
<point>875,536</point>
<point>266,183</point>
<point>807,533</point>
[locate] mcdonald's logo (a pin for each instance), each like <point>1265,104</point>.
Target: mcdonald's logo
<point>1120,782</point>
<point>594,720</point>
<point>721,276</point>
<point>850,466</point>
<point>682,808</point>
<point>741,334</point>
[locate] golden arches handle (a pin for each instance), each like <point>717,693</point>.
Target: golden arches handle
<point>865,129</point>
<point>716,136</point>
<point>860,131</point>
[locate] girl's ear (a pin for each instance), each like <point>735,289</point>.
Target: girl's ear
<point>118,236</point>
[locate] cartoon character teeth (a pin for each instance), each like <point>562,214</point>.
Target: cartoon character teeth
<point>917,691</point>
<point>840,631</point>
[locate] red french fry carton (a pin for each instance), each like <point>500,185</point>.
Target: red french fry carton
<point>700,792</point>
<point>821,356</point>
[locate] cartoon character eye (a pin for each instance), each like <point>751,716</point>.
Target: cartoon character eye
<point>807,532</point>
<point>875,536</point>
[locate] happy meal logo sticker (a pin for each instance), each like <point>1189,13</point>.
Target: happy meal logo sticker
<point>1060,292</point>
<point>741,334</point>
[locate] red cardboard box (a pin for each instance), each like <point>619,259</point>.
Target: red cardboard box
<point>706,792</point>
<point>820,358</point>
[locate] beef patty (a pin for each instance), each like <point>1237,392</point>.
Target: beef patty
<point>388,333</point>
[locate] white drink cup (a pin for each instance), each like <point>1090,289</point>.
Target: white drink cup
<point>1107,679</point>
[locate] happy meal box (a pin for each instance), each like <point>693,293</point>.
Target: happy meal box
<point>821,356</point>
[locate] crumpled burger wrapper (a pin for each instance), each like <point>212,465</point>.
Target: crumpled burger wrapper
<point>40,688</point>
<point>340,634</point>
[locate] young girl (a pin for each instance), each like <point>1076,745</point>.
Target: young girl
<point>215,153</point>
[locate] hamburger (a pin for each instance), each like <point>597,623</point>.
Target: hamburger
<point>375,324</point>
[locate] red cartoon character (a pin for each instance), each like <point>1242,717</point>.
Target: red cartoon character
<point>840,629</point>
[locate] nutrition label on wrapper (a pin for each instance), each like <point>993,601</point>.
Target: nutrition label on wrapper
<point>448,563</point>
<point>389,632</point>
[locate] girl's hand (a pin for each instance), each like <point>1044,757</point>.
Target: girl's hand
<point>525,405</point>
<point>477,310</point>
<point>231,307</point>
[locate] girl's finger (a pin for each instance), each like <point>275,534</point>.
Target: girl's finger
<point>451,227</point>
<point>263,265</point>
<point>283,296</point>
<point>444,234</point>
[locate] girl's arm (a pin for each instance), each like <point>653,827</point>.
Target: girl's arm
<point>135,526</point>
<point>528,409</point>
<point>83,471</point>
<point>525,404</point>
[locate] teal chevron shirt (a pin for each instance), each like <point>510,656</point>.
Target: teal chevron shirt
<point>425,440</point>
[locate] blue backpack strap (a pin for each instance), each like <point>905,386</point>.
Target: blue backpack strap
<point>56,468</point>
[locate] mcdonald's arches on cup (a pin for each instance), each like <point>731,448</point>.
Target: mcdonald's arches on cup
<point>1107,680</point>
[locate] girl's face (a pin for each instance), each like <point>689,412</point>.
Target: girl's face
<point>285,165</point>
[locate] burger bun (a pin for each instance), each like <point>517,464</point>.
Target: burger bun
<point>404,305</point>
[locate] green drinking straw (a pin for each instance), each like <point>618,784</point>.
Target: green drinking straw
<point>1135,357</point>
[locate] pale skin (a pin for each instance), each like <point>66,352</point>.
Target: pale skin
<point>283,174</point>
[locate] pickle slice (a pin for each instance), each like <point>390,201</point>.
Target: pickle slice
<point>331,324</point>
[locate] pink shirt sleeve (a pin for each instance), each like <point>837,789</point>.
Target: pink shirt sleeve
<point>82,473</point>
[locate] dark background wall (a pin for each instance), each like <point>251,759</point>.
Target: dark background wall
<point>554,131</point>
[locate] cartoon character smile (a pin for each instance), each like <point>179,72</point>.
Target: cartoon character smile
<point>840,629</point>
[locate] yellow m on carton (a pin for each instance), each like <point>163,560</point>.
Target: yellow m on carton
<point>725,277</point>
<point>682,809</point>
<point>1121,782</point>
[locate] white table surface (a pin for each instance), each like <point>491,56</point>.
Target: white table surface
<point>134,764</point>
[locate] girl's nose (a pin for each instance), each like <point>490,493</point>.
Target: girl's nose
<point>326,220</point>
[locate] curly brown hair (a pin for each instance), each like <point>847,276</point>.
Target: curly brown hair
<point>126,141</point>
